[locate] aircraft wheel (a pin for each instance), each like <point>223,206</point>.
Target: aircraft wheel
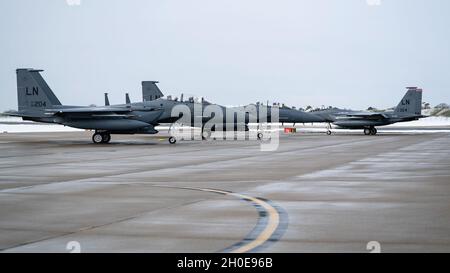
<point>172,140</point>
<point>259,136</point>
<point>373,131</point>
<point>206,135</point>
<point>106,138</point>
<point>367,131</point>
<point>329,132</point>
<point>97,138</point>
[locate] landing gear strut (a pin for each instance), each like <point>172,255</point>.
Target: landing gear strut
<point>101,138</point>
<point>329,129</point>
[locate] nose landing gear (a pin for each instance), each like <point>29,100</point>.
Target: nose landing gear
<point>259,135</point>
<point>172,140</point>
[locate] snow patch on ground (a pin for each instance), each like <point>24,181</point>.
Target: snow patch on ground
<point>430,121</point>
<point>17,125</point>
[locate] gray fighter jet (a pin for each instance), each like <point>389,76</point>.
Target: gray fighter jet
<point>291,115</point>
<point>37,102</point>
<point>408,109</point>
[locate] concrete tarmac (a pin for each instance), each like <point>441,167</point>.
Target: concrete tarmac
<point>316,193</point>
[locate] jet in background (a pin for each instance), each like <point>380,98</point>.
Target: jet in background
<point>408,109</point>
<point>285,115</point>
<point>290,115</point>
<point>150,91</point>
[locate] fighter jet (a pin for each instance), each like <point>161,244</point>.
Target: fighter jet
<point>37,102</point>
<point>150,91</point>
<point>291,115</point>
<point>408,109</point>
<point>199,112</point>
<point>152,95</point>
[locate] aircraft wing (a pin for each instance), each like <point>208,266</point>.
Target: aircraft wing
<point>111,112</point>
<point>104,112</point>
<point>365,115</point>
<point>83,110</point>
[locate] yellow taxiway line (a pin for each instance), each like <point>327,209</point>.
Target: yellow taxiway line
<point>266,233</point>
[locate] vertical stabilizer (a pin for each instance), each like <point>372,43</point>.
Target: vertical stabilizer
<point>150,91</point>
<point>106,100</point>
<point>33,93</point>
<point>411,103</point>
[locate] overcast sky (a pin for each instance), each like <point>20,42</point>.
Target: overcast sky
<point>345,53</point>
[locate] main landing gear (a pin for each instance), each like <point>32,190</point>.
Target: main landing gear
<point>104,137</point>
<point>172,139</point>
<point>260,135</point>
<point>370,131</point>
<point>329,129</point>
